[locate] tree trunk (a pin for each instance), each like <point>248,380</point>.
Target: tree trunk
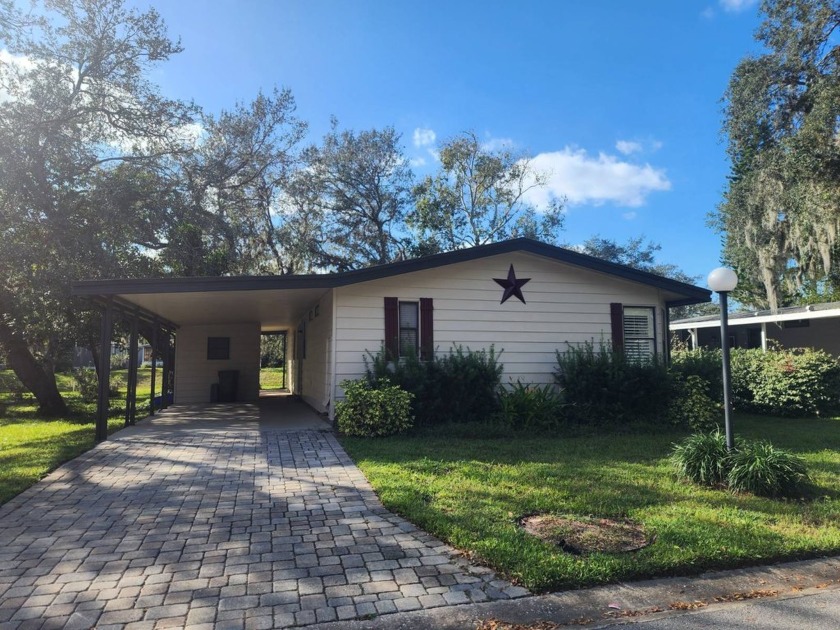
<point>35,378</point>
<point>93,348</point>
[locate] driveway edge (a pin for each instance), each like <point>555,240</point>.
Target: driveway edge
<point>604,604</point>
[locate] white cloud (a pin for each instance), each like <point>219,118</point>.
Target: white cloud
<point>417,162</point>
<point>629,216</point>
<point>20,61</point>
<point>498,144</point>
<point>424,137</point>
<point>192,133</point>
<point>628,146</point>
<point>736,6</point>
<point>15,63</point>
<point>594,180</point>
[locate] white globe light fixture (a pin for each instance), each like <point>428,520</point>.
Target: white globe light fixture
<point>723,280</point>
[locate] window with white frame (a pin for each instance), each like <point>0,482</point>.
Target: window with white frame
<point>409,328</point>
<point>639,332</point>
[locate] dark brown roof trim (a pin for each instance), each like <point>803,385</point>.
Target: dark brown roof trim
<point>693,294</point>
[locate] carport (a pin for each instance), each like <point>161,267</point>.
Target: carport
<point>198,327</point>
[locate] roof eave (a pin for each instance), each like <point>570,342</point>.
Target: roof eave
<point>691,293</point>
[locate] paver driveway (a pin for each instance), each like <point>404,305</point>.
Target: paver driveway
<point>225,528</point>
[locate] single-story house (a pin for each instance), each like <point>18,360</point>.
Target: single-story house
<point>811,326</point>
<point>526,298</point>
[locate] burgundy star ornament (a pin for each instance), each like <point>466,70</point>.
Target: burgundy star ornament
<point>512,286</point>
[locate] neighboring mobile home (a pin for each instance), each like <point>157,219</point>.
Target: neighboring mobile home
<point>525,298</point>
<point>811,326</point>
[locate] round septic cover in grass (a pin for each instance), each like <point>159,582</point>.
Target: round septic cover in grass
<point>582,535</point>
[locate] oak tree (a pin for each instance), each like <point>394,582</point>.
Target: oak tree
<point>780,215</point>
<point>76,109</point>
<point>480,195</point>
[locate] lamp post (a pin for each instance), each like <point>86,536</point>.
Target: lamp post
<point>723,280</point>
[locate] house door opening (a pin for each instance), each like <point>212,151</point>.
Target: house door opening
<point>273,361</point>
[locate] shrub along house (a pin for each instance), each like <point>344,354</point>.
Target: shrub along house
<point>525,298</point>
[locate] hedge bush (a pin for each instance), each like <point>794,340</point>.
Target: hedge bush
<point>368,411</point>
<point>782,382</point>
<point>691,405</point>
<point>703,363</point>
<point>462,386</point>
<point>605,387</point>
<point>792,382</point>
<point>87,383</point>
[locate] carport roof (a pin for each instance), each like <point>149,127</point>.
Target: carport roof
<point>254,293</point>
<point>824,310</point>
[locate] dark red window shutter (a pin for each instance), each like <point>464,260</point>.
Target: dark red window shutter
<point>427,329</point>
<point>617,323</point>
<point>392,328</point>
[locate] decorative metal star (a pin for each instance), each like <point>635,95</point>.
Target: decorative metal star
<point>512,286</point>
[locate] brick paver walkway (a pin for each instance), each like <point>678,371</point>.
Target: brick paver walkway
<point>222,529</point>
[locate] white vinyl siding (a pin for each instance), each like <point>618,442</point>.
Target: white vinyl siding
<point>315,353</point>
<point>195,373</point>
<point>566,306</point>
<point>639,332</point>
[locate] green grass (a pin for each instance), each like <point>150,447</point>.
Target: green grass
<point>271,378</point>
<point>469,492</point>
<point>31,446</point>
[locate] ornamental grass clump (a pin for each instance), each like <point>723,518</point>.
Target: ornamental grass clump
<point>757,467</point>
<point>702,458</point>
<point>531,408</point>
<point>762,469</point>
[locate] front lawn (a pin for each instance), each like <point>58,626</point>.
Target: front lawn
<point>470,492</point>
<point>31,446</point>
<point>272,378</point>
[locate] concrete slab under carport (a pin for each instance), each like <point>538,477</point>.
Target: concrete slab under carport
<point>282,412</point>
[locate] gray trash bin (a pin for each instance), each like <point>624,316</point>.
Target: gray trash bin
<point>228,385</point>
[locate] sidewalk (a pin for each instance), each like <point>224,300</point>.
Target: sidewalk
<point>597,607</point>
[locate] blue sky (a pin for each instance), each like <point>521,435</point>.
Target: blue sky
<point>619,100</point>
